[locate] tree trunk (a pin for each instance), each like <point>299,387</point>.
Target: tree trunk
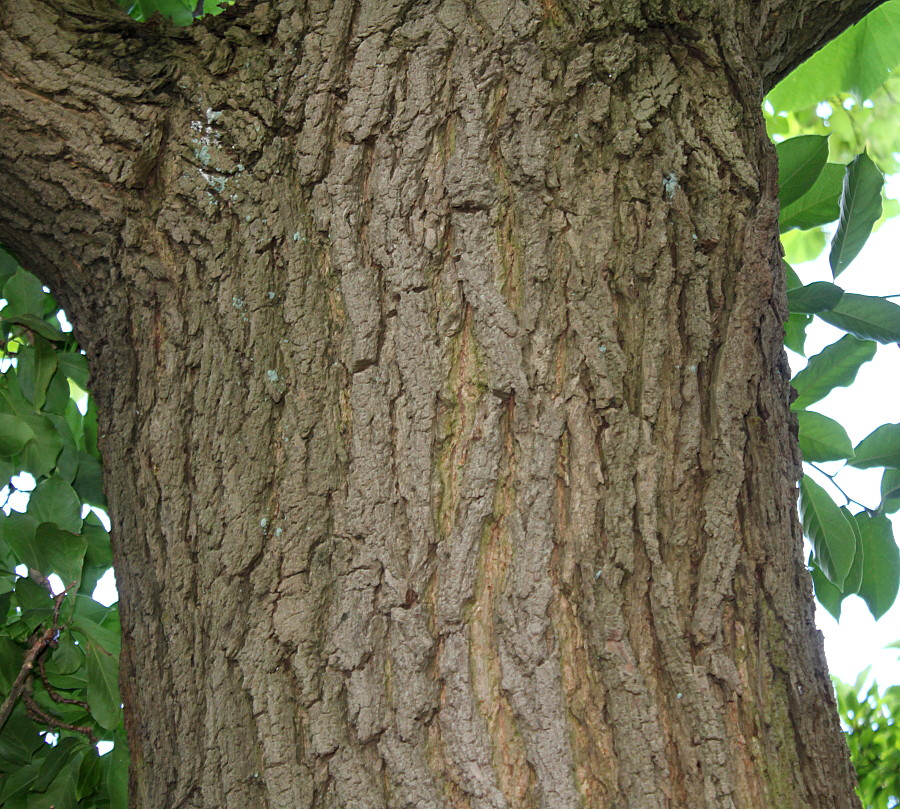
<point>438,349</point>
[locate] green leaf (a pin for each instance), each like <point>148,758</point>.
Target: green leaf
<point>854,577</point>
<point>44,547</point>
<point>835,366</point>
<point>792,280</point>
<point>860,209</point>
<point>89,480</point>
<point>64,551</point>
<point>61,793</point>
<point>14,434</point>
<point>795,332</point>
<point>8,266</point>
<point>103,686</point>
<point>813,298</point>
<point>881,568</point>
<point>58,757</point>
<point>75,367</point>
<point>55,501</point>
<point>117,776</point>
<point>803,245</point>
<point>880,448</point>
<point>800,162</point>
<point>89,778</point>
<point>858,61</point>
<point>11,657</point>
<point>19,738</point>
<point>57,394</point>
<point>87,619</point>
<point>829,532</point>
<point>40,455</point>
<point>827,594</point>
<point>866,316</point>
<point>24,296</point>
<point>818,206</point>
<point>890,491</point>
<point>67,656</point>
<point>38,326</point>
<point>822,438</point>
<point>36,366</point>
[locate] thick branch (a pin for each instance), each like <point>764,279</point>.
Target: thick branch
<point>81,122</point>
<point>795,29</point>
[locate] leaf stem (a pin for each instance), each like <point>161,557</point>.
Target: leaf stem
<point>837,486</point>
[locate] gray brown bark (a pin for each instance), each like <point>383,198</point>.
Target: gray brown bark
<point>445,414</point>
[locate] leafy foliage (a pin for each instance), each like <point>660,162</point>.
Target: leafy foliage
<point>180,12</point>
<point>58,647</point>
<point>871,722</point>
<point>852,553</point>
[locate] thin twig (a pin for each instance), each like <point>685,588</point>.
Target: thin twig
<point>34,652</point>
<point>837,486</point>
<point>39,714</point>
<point>39,644</point>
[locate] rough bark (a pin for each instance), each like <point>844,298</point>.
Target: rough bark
<point>445,413</point>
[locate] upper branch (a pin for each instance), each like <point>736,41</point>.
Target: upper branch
<point>793,30</point>
<point>82,106</point>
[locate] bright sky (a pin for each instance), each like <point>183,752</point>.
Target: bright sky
<point>873,399</point>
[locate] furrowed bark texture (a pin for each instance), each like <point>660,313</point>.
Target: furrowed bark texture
<point>439,354</point>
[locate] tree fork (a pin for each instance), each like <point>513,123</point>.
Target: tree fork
<point>438,350</point>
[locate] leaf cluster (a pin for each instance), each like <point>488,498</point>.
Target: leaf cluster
<point>852,553</point>
<point>871,720</point>
<point>52,555</point>
<point>831,116</point>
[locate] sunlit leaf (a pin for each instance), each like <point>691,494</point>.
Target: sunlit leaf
<point>800,161</point>
<point>822,438</point>
<point>858,61</point>
<point>818,206</point>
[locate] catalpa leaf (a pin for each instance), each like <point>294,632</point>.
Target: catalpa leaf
<point>795,332</point>
<point>827,594</point>
<point>818,206</point>
<point>860,209</point>
<point>831,535</point>
<point>822,438</point>
<point>881,566</point>
<point>14,435</point>
<point>866,317</point>
<point>813,298</point>
<point>103,686</point>
<point>880,448</point>
<point>55,501</point>
<point>890,491</point>
<point>835,366</point>
<point>854,577</point>
<point>800,162</point>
